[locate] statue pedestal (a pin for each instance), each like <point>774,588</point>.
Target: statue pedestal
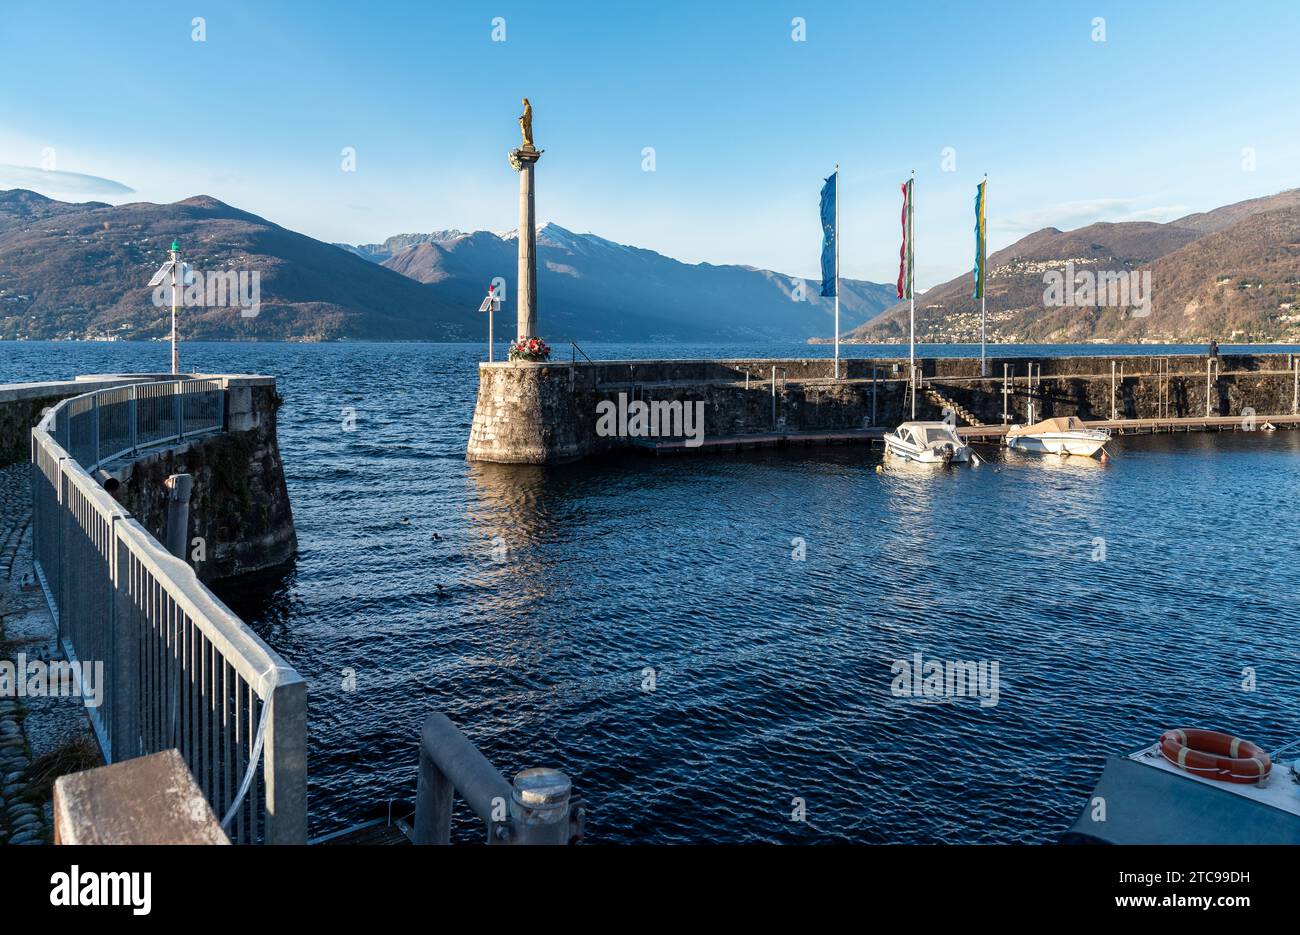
<point>523,160</point>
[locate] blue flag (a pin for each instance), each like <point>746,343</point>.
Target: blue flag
<point>828,236</point>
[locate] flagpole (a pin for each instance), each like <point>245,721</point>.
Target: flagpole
<point>984,260</point>
<point>837,270</point>
<point>911,288</point>
<point>984,369</point>
<point>176,360</point>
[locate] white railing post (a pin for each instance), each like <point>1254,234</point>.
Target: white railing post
<point>65,537</point>
<point>126,657</point>
<point>94,421</point>
<point>285,762</point>
<point>178,407</point>
<point>133,409</point>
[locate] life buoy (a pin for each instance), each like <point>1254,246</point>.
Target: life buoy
<point>1212,755</point>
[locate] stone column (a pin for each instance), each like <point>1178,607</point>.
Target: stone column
<point>523,160</point>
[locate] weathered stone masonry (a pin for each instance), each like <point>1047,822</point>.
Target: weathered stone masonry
<point>547,413</point>
<point>240,503</point>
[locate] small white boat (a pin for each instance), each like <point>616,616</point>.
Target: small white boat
<point>927,443</point>
<point>1064,435</point>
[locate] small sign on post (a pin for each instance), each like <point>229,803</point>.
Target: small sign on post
<point>491,304</point>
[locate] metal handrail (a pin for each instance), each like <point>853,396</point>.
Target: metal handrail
<point>107,424</point>
<point>537,808</point>
<point>574,351</point>
<point>180,669</point>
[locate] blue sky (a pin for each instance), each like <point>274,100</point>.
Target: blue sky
<point>745,122</point>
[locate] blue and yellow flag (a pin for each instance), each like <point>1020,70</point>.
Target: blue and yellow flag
<point>981,241</point>
<point>828,235</point>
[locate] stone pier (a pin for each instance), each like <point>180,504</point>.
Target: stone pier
<point>545,413</point>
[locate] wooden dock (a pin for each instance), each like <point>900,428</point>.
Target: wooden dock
<point>988,433</point>
<point>777,439</point>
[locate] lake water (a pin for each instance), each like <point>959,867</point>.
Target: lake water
<point>772,676</point>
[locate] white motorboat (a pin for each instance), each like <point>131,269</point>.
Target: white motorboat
<point>1064,435</point>
<point>927,443</point>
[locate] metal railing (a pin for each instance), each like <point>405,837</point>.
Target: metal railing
<point>537,808</point>
<point>107,424</point>
<point>179,668</point>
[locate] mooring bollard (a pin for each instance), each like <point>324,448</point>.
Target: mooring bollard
<point>536,809</point>
<point>179,487</point>
<point>539,807</point>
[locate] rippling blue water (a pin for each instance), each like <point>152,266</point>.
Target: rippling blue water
<point>772,675</point>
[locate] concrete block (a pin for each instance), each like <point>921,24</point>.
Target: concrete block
<point>239,399</point>
<point>149,800</point>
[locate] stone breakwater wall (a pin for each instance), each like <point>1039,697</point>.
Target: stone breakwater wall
<point>548,413</point>
<point>239,506</point>
<point>240,502</point>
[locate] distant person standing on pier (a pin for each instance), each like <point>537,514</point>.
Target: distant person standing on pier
<point>1214,349</point>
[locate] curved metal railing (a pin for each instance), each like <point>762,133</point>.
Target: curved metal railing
<point>180,669</point>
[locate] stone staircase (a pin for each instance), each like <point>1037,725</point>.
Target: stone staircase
<point>943,402</point>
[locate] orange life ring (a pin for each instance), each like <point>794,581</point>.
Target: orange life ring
<point>1212,755</point>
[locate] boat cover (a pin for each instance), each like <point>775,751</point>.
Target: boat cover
<point>1155,806</point>
<point>1050,426</point>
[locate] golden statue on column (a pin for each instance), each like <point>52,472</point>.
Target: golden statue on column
<point>523,160</point>
<point>526,125</point>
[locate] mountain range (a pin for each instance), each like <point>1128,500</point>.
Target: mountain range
<point>1231,274</point>
<point>604,291</point>
<point>80,270</point>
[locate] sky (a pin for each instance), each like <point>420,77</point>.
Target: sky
<point>1078,112</point>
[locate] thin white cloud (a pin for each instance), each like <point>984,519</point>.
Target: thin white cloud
<point>1073,214</point>
<point>52,182</point>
